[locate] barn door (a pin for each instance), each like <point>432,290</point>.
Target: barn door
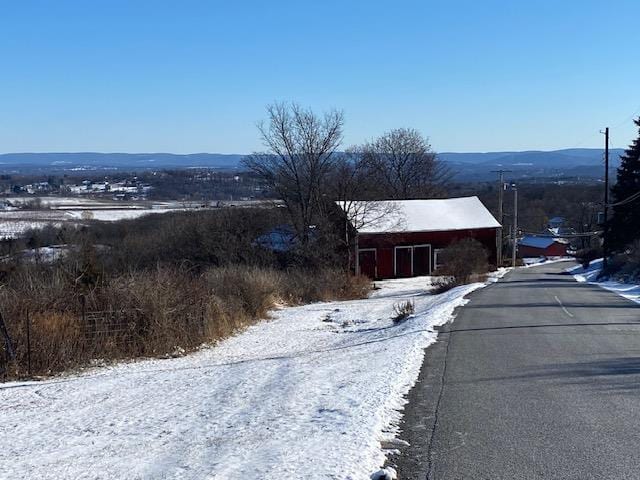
<point>403,264</point>
<point>367,262</point>
<point>422,260</point>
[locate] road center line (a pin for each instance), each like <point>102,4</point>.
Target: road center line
<point>563,307</point>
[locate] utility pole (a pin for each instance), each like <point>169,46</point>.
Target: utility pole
<point>515,225</point>
<point>605,243</point>
<point>500,214</point>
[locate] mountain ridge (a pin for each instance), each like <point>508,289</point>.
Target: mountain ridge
<point>466,165</point>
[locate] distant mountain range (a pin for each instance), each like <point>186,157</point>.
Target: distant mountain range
<point>577,163</point>
<point>570,157</point>
<point>572,162</point>
<point>124,161</point>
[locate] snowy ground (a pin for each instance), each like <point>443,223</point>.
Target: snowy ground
<point>590,274</point>
<point>535,261</point>
<point>14,223</point>
<point>309,394</point>
<point>114,215</point>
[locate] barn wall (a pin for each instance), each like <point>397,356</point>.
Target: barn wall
<point>553,250</point>
<point>385,243</point>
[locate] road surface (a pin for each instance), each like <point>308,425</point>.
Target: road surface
<point>538,377</point>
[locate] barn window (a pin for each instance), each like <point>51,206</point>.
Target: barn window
<point>436,260</point>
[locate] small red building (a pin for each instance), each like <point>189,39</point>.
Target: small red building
<point>402,238</point>
<point>530,246</point>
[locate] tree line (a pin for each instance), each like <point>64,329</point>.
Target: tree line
<point>623,229</point>
<point>304,164</point>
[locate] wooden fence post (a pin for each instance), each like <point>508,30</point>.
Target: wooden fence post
<point>7,339</point>
<point>28,332</point>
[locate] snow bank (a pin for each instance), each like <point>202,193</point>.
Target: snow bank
<point>536,261</point>
<point>307,395</point>
<point>591,273</point>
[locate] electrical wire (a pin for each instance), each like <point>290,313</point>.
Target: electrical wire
<point>630,117</point>
<point>569,235</point>
<point>625,201</point>
<point>588,137</point>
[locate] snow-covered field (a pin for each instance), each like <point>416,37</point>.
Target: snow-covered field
<point>590,274</point>
<point>14,223</point>
<point>104,215</point>
<point>58,201</point>
<point>309,394</point>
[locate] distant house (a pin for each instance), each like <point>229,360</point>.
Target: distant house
<point>556,222</point>
<point>402,238</point>
<point>530,246</point>
<point>280,239</point>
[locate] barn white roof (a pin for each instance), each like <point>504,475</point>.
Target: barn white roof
<point>395,216</point>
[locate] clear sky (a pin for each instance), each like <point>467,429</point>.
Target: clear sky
<point>195,76</point>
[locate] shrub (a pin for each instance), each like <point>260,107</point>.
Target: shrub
<point>625,266</point>
<point>443,284</point>
<point>148,313</point>
<point>586,255</point>
<point>156,285</point>
<point>403,310</point>
<point>463,258</point>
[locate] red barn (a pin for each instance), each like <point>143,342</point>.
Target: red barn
<point>402,238</point>
<point>530,246</point>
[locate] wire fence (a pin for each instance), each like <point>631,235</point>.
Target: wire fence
<point>27,346</point>
<point>7,351</point>
<point>108,329</point>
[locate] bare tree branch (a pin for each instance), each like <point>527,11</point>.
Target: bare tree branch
<point>404,165</point>
<point>298,160</point>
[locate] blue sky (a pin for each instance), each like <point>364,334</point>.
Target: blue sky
<point>195,76</point>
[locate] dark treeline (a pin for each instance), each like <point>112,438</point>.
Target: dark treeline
<point>193,184</point>
<point>623,228</point>
<point>156,283</point>
<point>579,205</point>
<point>196,238</point>
<point>203,184</point>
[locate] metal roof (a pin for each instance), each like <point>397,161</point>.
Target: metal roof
<point>394,216</point>
<point>537,242</point>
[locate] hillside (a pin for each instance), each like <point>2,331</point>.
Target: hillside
<point>576,162</point>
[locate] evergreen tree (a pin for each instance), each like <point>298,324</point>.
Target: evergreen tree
<point>624,226</point>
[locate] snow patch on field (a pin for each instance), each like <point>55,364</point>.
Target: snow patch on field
<point>116,214</point>
<point>309,394</point>
<point>591,273</point>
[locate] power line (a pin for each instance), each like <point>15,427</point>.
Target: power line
<point>593,134</point>
<point>630,117</point>
<point>625,201</point>
<point>560,236</point>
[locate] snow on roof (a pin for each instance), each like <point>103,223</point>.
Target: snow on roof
<point>391,216</point>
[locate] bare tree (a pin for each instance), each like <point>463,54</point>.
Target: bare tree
<point>355,191</point>
<point>404,165</point>
<point>299,158</point>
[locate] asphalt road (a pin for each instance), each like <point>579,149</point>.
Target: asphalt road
<point>537,377</point>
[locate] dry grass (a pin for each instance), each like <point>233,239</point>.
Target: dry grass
<point>443,284</point>
<point>152,313</point>
<point>403,310</point>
